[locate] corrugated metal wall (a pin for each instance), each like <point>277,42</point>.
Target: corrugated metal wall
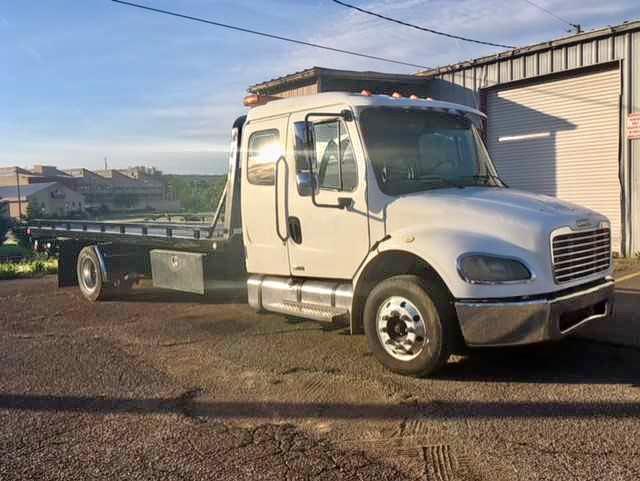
<point>463,83</point>
<point>632,101</point>
<point>298,91</point>
<point>560,138</point>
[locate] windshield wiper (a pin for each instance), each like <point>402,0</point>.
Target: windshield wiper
<point>486,178</point>
<point>442,180</point>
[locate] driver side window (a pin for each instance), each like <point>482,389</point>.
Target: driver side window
<point>334,157</point>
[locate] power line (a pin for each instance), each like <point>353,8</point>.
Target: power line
<point>270,35</point>
<point>577,26</point>
<point>424,29</point>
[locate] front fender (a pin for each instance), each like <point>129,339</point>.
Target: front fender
<point>441,248</point>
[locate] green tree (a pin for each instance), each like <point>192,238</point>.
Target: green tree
<point>197,193</point>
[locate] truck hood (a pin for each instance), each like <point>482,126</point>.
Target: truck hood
<point>440,225</point>
<point>499,207</point>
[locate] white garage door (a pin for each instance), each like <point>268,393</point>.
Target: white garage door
<point>560,138</point>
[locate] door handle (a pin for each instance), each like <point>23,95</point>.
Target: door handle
<point>295,230</point>
<point>276,175</point>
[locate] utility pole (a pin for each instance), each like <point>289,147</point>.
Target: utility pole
<point>105,164</point>
<point>19,194</point>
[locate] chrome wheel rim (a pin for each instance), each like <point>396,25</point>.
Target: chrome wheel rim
<point>401,328</point>
<point>88,275</point>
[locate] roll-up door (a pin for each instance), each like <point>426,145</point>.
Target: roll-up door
<point>560,138</point>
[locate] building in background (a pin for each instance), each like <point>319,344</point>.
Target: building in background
<point>319,79</point>
<point>136,188</point>
<point>41,199</point>
<point>563,115</point>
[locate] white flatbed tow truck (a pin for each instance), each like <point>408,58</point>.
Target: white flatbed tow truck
<point>381,212</point>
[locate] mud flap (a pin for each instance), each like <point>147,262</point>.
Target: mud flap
<point>67,261</point>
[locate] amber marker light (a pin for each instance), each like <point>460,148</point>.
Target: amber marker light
<point>255,100</point>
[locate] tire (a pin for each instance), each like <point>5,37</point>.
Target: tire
<point>89,274</point>
<point>398,313</point>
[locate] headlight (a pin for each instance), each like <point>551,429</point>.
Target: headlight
<point>489,269</point>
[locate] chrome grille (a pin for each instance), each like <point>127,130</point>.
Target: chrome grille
<point>581,254</point>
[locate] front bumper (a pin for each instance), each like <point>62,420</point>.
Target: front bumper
<point>508,323</point>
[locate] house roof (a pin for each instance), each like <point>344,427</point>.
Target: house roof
<point>48,171</point>
<point>13,171</point>
<point>117,178</point>
<point>317,72</point>
<point>82,173</point>
<point>11,193</point>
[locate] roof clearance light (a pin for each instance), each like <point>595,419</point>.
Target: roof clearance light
<point>366,93</point>
<point>254,100</point>
<point>396,95</point>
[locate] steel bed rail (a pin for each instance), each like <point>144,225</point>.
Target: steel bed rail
<point>185,235</point>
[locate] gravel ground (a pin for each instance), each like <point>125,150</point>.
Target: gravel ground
<point>167,386</point>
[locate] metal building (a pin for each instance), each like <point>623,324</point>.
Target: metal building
<point>559,119</point>
<point>319,79</point>
<point>563,115</point>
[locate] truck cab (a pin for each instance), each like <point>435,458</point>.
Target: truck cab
<point>387,213</point>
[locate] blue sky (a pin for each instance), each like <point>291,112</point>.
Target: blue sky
<point>84,80</point>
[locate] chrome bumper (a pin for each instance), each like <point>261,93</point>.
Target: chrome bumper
<point>526,322</point>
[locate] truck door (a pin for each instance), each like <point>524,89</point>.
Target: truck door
<point>326,241</point>
<point>264,174</point>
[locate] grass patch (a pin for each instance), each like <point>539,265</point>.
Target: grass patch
<point>28,269</point>
<point>14,250</point>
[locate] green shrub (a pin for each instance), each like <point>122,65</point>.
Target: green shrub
<point>28,269</point>
<point>51,266</point>
<point>8,271</point>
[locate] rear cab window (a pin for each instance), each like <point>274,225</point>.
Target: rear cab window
<point>263,152</point>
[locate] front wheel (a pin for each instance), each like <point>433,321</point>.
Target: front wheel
<point>408,325</point>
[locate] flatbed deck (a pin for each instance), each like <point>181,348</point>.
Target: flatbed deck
<point>198,237</point>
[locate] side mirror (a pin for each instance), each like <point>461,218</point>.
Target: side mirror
<point>307,183</point>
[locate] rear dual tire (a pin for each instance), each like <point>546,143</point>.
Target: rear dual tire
<point>410,325</point>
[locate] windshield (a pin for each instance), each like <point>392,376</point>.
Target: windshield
<point>414,150</point>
